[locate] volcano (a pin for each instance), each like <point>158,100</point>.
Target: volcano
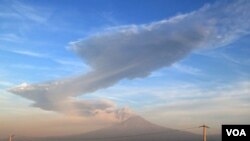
<point>135,128</point>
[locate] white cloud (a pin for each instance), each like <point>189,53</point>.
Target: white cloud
<point>134,51</point>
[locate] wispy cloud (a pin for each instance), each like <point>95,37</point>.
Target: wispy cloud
<point>135,51</point>
<point>10,37</point>
<point>20,17</point>
<point>6,84</point>
<point>29,53</point>
<point>109,17</point>
<point>187,69</point>
<point>72,63</point>
<point>227,103</point>
<point>231,59</point>
<point>227,56</point>
<point>33,67</point>
<point>7,15</point>
<point>29,12</point>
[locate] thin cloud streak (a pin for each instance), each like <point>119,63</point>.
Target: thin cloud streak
<point>10,37</point>
<point>187,69</point>
<point>30,53</point>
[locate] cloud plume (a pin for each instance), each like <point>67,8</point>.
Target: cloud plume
<point>134,51</point>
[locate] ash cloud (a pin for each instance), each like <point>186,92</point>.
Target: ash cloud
<point>134,51</point>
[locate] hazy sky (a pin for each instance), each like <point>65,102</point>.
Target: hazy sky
<point>73,66</point>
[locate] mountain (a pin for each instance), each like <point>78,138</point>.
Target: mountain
<point>133,129</point>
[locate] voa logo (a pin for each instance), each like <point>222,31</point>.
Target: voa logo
<point>236,132</point>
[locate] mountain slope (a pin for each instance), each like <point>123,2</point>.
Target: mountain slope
<point>136,129</point>
<point>133,129</point>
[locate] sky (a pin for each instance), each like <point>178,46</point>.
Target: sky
<point>70,67</point>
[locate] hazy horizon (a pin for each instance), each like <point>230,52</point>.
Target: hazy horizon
<point>70,67</point>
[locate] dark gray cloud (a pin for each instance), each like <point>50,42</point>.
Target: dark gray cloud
<point>134,51</point>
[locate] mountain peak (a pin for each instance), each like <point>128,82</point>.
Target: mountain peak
<point>136,124</point>
<point>136,120</point>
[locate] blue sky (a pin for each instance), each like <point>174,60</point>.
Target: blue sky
<point>45,44</point>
